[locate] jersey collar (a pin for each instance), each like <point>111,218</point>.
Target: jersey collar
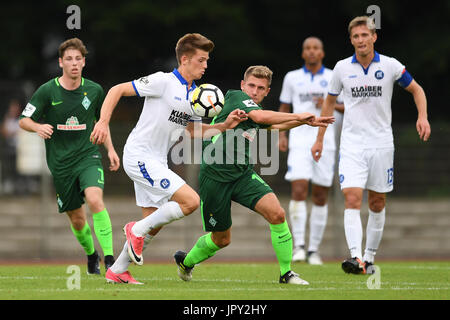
<point>184,82</point>
<point>306,71</point>
<point>376,58</point>
<point>57,82</point>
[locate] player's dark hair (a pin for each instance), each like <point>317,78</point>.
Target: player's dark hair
<point>73,43</point>
<point>188,43</point>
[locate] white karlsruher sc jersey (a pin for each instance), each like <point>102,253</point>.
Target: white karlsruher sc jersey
<point>165,114</point>
<point>367,95</point>
<point>300,88</point>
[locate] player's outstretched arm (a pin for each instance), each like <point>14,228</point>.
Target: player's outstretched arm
<point>274,117</point>
<point>422,124</point>
<point>207,131</point>
<point>44,130</point>
<point>311,121</point>
<point>101,128</point>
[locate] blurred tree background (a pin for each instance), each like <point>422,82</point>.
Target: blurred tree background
<point>129,39</point>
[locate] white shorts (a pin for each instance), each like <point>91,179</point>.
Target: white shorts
<point>371,169</point>
<point>301,166</point>
<point>154,182</point>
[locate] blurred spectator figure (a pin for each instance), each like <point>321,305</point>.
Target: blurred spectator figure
<point>9,130</point>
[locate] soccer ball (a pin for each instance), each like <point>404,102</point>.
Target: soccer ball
<point>207,100</point>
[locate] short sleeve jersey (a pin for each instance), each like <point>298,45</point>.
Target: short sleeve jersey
<point>226,156</point>
<point>165,114</point>
<point>367,95</point>
<point>72,113</point>
<point>300,88</point>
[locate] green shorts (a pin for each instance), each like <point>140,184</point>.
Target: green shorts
<point>70,186</point>
<point>216,198</point>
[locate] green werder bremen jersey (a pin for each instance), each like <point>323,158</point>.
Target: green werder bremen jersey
<point>226,156</point>
<point>72,113</point>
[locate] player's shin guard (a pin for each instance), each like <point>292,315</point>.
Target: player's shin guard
<point>103,231</point>
<point>282,245</point>
<point>84,237</point>
<point>204,248</point>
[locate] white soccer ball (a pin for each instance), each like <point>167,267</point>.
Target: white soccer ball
<point>207,100</point>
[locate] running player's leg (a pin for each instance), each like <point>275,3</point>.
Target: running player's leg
<point>91,179</point>
<point>70,201</point>
<point>123,260</point>
<point>270,208</point>
<point>83,234</point>
<point>182,203</point>
<point>215,208</point>
<point>81,229</point>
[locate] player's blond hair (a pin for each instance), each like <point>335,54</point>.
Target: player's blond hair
<point>362,21</point>
<point>73,43</point>
<point>188,43</point>
<point>261,72</point>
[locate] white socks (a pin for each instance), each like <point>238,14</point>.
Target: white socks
<point>123,261</point>
<point>297,217</point>
<point>354,233</point>
<point>167,213</point>
<point>317,223</point>
<point>374,232</point>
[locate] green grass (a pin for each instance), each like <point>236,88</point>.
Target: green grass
<point>233,281</point>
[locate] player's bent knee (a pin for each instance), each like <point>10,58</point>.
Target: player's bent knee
<point>190,205</point>
<point>278,216</point>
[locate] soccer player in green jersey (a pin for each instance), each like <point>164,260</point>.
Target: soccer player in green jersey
<point>236,180</point>
<point>63,112</point>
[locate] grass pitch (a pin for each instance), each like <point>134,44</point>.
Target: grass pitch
<point>232,281</point>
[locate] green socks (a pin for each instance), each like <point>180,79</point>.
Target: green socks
<point>84,237</point>
<point>282,244</point>
<point>103,231</point>
<point>203,249</point>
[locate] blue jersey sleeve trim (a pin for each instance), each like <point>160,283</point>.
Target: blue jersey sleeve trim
<point>333,94</point>
<point>193,120</point>
<point>134,86</point>
<point>405,79</point>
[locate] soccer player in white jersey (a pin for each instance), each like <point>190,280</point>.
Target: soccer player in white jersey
<point>366,81</point>
<point>162,194</point>
<point>304,89</point>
